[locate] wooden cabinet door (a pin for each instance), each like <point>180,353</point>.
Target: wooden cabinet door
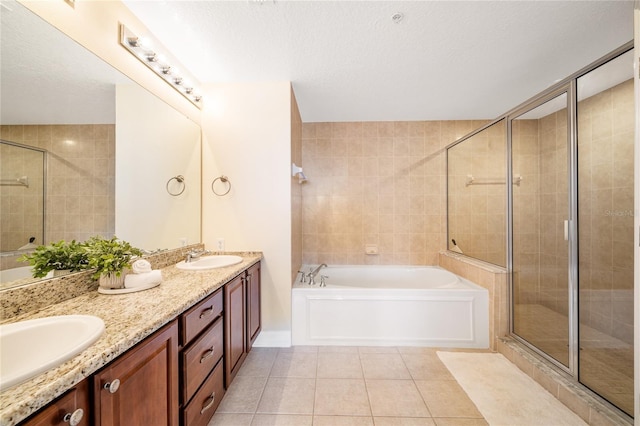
<point>253,304</point>
<point>234,327</point>
<point>72,408</point>
<point>141,386</point>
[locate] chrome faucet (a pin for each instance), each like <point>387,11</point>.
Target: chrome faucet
<point>312,274</point>
<point>194,254</point>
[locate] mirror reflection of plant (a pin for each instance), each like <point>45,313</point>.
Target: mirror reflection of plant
<point>110,256</point>
<point>62,255</point>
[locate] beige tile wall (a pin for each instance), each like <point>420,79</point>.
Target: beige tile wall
<point>605,147</point>
<point>526,212</point>
<point>540,208</point>
<point>376,183</point>
<point>477,211</point>
<point>80,177</point>
<point>21,207</point>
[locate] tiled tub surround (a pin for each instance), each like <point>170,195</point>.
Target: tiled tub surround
<point>491,277</point>
<point>379,183</point>
<point>129,318</point>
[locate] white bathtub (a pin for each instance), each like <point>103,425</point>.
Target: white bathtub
<point>390,306</point>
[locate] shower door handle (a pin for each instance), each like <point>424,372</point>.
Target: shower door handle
<point>566,230</point>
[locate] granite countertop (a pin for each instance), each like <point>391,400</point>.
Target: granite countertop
<point>129,319</point>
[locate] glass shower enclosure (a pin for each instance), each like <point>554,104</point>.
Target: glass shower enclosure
<point>571,256</point>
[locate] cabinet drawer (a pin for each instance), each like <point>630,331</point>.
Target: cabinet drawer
<point>196,319</point>
<point>200,358</point>
<point>201,408</point>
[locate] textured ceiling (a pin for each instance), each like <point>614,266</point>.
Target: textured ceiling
<point>349,61</point>
<point>45,77</point>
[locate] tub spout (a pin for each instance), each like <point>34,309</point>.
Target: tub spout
<point>312,274</point>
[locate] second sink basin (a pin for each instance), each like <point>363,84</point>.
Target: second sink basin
<point>28,348</point>
<point>209,262</point>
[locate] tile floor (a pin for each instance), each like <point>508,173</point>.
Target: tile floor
<point>337,386</point>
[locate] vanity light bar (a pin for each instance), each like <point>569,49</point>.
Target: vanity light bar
<point>158,63</point>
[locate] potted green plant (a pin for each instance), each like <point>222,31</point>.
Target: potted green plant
<point>61,257</point>
<point>111,258</point>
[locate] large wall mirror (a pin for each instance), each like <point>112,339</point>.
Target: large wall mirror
<point>111,149</point>
<point>477,193</point>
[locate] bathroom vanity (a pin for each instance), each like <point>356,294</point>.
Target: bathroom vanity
<point>166,356</point>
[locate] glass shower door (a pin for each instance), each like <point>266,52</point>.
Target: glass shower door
<point>605,114</point>
<point>540,250</point>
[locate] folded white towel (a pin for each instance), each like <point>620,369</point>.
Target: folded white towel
<point>144,279</point>
<point>141,266</point>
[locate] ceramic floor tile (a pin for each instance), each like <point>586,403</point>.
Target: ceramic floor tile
<point>342,421</point>
<point>287,396</point>
<point>306,349</point>
<point>339,349</point>
<point>448,421</point>
<point>281,420</point>
<point>403,421</point>
<point>445,398</point>
<point>230,419</point>
<point>338,397</point>
<point>243,395</point>
<point>378,350</point>
<point>399,398</point>
<point>295,364</point>
<point>258,363</point>
<point>384,366</point>
<point>339,365</point>
<point>426,366</point>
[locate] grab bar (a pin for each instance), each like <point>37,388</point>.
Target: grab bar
<point>21,181</point>
<point>497,181</point>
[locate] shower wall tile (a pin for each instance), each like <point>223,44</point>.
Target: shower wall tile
<point>605,199</point>
<point>379,183</point>
<point>80,185</point>
<point>606,207</point>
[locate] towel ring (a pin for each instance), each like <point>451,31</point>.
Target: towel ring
<point>179,179</point>
<point>222,179</point>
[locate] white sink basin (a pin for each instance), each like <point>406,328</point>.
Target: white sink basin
<point>29,348</point>
<point>209,262</point>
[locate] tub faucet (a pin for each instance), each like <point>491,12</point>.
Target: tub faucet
<point>312,274</point>
<point>194,254</point>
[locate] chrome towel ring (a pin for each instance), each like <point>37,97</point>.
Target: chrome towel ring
<point>180,180</point>
<point>222,179</point>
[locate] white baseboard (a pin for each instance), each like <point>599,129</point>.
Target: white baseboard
<point>273,339</point>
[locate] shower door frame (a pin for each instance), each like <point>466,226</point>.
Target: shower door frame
<point>568,88</point>
<point>568,85</point>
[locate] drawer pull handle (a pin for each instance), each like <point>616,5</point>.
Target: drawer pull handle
<point>207,354</point>
<point>208,403</point>
<point>206,312</point>
<point>74,418</point>
<point>112,387</point>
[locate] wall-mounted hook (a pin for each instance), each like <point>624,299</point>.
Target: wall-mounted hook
<point>296,170</point>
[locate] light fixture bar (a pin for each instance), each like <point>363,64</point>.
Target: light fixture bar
<point>158,62</point>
